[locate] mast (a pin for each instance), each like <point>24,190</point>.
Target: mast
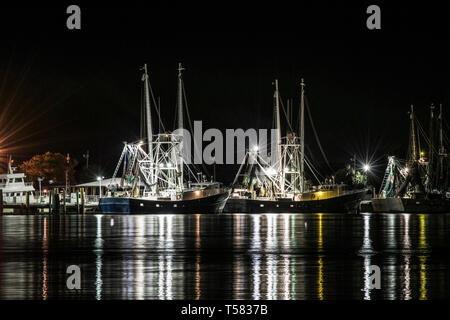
<point>276,97</point>
<point>277,120</point>
<point>431,150</point>
<point>302,136</point>
<point>413,136</point>
<point>180,97</point>
<point>148,115</point>
<point>441,148</point>
<point>180,120</point>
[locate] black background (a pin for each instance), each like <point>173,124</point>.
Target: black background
<point>73,90</point>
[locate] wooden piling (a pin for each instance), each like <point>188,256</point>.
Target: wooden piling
<point>50,198</point>
<point>27,202</point>
<point>82,199</point>
<point>56,201</point>
<point>78,200</point>
<point>64,199</point>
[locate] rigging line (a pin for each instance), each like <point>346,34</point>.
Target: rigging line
<point>311,155</point>
<point>308,164</point>
<point>190,126</point>
<point>313,168</point>
<point>142,129</point>
<point>175,118</point>
<point>191,173</point>
<point>446,124</point>
<point>156,106</point>
<point>419,131</point>
<point>425,137</point>
<point>315,134</point>
<point>159,110</point>
<point>285,114</point>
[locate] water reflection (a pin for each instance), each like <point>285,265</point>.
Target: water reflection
<point>320,290</point>
<point>44,260</point>
<point>270,256</point>
<point>165,257</point>
<point>271,236</point>
<point>255,249</point>
<point>139,243</point>
<point>367,251</point>
<point>98,258</point>
<point>423,257</point>
<point>406,290</point>
<point>197,257</point>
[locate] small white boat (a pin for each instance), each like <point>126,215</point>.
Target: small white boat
<point>14,186</point>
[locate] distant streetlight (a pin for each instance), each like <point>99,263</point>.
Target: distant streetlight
<point>99,179</point>
<point>366,167</point>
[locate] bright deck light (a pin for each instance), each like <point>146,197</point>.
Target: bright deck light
<point>366,167</point>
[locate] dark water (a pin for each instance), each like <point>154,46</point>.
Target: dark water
<point>239,256</point>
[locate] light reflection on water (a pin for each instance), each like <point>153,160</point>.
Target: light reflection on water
<point>239,256</point>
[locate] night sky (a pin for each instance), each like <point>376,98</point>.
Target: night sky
<point>76,90</point>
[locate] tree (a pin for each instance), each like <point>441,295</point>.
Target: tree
<point>50,166</point>
<point>350,177</point>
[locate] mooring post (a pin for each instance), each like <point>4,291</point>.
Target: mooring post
<point>27,202</point>
<point>65,204</point>
<point>82,199</point>
<point>56,201</point>
<point>78,200</point>
<point>1,201</point>
<point>50,196</point>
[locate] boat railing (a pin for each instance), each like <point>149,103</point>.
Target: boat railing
<point>27,184</point>
<point>44,199</point>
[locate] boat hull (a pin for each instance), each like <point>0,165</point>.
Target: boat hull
<point>341,204</point>
<point>398,205</point>
<point>211,204</point>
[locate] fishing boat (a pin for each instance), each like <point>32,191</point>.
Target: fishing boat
<point>156,178</point>
<point>13,186</point>
<point>281,185</point>
<point>418,184</point>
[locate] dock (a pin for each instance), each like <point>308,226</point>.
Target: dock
<point>54,203</point>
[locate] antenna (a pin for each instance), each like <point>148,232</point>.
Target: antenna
<point>302,135</point>
<point>180,97</point>
<point>148,116</point>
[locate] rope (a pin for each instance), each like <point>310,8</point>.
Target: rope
<point>192,130</point>
<point>315,134</point>
<point>156,106</point>
<point>285,114</point>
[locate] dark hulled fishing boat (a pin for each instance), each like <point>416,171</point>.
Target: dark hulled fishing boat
<point>159,180</point>
<point>210,199</point>
<point>346,201</point>
<point>281,186</point>
<point>420,183</point>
